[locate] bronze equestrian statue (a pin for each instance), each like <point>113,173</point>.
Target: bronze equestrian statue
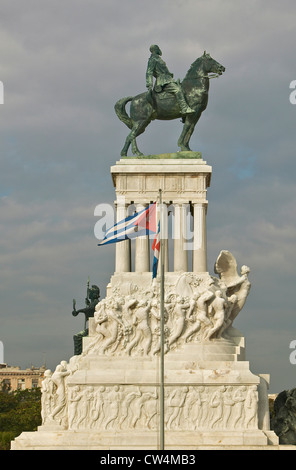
<point>169,99</point>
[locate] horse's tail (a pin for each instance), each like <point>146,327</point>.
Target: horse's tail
<point>121,112</point>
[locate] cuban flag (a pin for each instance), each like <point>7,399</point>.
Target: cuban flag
<point>156,249</point>
<point>139,224</point>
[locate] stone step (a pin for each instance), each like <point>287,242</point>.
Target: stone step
<point>69,440</point>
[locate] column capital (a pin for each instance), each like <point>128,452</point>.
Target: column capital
<point>142,204</point>
<point>200,203</point>
<point>122,203</point>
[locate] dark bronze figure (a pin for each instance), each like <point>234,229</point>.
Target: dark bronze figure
<point>164,82</point>
<point>91,300</point>
<point>168,99</point>
<point>283,421</point>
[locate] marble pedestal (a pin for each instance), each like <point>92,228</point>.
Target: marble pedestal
<point>108,397</point>
<point>208,403</point>
<point>212,399</point>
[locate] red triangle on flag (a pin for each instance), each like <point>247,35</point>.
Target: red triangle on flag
<point>148,219</point>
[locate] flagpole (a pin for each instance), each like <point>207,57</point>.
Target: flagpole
<point>161,392</point>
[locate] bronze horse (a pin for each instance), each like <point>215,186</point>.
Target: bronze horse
<point>151,105</point>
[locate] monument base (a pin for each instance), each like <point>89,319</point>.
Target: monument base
<point>67,440</point>
<point>109,396</point>
<point>208,403</point>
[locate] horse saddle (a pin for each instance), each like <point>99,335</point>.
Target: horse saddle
<point>153,96</point>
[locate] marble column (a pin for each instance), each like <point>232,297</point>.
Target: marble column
<point>142,252</point>
<point>199,238</point>
<point>180,253</point>
<point>123,248</point>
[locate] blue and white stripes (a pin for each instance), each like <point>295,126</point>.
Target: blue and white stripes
<point>139,224</point>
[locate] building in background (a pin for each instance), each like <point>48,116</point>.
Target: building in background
<point>14,378</point>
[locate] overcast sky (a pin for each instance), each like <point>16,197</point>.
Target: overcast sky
<point>64,65</point>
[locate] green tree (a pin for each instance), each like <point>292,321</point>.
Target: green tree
<point>19,411</point>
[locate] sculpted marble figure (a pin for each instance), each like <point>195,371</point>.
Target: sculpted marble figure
<point>198,312</point>
<point>175,404</point>
<point>136,407</point>
<point>218,308</point>
<point>74,397</point>
<point>143,330</point>
<point>179,319</point>
<point>216,406</point>
<point>130,324</point>
<point>47,396</point>
<point>58,378</point>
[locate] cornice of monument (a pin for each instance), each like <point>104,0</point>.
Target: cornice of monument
<point>181,172</point>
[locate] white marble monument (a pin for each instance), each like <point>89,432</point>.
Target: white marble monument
<point>108,397</point>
